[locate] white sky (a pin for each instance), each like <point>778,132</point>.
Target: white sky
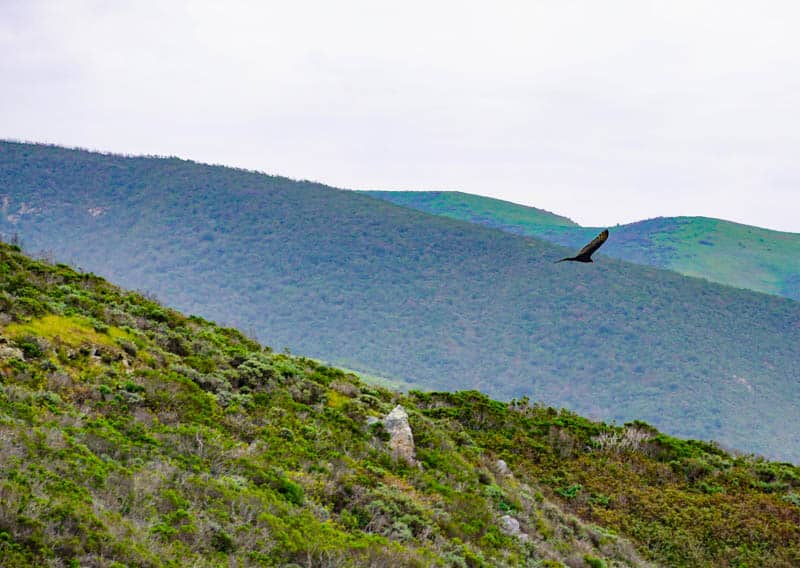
<point>606,112</point>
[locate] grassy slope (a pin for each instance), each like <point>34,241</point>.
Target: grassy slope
<point>740,255</point>
<point>721,251</point>
<point>432,301</point>
<point>494,213</point>
<point>133,435</point>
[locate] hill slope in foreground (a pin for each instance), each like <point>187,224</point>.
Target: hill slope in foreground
<point>721,251</point>
<point>133,435</point>
<point>398,293</point>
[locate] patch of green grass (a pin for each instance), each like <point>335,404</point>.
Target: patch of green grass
<point>735,254</point>
<point>487,211</point>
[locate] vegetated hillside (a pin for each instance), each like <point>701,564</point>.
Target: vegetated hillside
<point>398,293</point>
<point>134,435</point>
<point>494,213</point>
<point>721,251</point>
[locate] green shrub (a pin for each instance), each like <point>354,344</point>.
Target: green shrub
<point>31,347</point>
<point>571,491</point>
<point>292,491</point>
<point>593,562</point>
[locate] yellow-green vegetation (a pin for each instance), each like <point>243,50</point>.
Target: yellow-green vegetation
<point>174,442</point>
<point>72,331</point>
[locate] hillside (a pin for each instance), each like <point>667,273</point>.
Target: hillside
<point>721,251</point>
<point>486,211</point>
<point>134,435</point>
<point>440,303</point>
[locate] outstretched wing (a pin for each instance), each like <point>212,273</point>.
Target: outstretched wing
<point>598,241</point>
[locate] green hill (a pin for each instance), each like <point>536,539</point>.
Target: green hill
<point>490,212</point>
<point>133,435</point>
<point>432,301</point>
<point>720,251</point>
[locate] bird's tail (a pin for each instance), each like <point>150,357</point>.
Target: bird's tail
<point>562,260</point>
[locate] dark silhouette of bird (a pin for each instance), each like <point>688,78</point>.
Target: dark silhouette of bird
<point>586,252</point>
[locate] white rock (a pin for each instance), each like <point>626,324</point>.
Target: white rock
<point>510,526</point>
<point>401,440</point>
<point>8,352</point>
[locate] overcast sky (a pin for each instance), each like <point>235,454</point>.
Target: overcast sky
<point>606,112</point>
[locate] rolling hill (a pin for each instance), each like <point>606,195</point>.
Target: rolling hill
<point>133,435</point>
<point>721,251</point>
<point>486,211</point>
<point>390,291</point>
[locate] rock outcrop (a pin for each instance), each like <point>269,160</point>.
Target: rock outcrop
<point>7,351</point>
<point>401,440</point>
<point>510,526</point>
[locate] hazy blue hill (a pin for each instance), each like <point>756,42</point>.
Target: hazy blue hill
<point>721,251</point>
<point>438,302</point>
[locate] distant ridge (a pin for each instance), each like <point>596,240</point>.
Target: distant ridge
<point>721,251</point>
<point>488,211</point>
<point>398,293</point>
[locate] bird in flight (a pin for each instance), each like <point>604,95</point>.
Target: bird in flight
<point>586,252</point>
